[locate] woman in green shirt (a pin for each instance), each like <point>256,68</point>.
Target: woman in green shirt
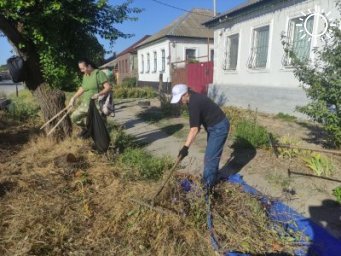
<point>94,84</point>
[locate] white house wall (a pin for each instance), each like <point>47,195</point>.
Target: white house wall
<point>179,46</point>
<point>273,89</point>
<point>152,76</point>
<point>175,53</point>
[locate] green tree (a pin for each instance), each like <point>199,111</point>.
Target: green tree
<point>52,35</point>
<point>321,81</point>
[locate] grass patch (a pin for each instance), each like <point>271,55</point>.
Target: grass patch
<point>139,164</point>
<point>286,117</point>
<point>23,107</point>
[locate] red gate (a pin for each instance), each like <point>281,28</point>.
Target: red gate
<point>199,76</point>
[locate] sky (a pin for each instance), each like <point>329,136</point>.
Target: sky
<point>153,18</point>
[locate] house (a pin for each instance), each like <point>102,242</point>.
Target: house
<point>250,65</point>
<point>184,40</point>
<point>125,63</point>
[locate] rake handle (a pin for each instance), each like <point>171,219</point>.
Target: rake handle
<point>63,117</point>
<point>168,177</point>
<point>55,116</point>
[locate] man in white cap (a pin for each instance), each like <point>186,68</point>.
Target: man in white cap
<point>203,111</point>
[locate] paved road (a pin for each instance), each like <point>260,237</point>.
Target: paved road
<point>8,87</point>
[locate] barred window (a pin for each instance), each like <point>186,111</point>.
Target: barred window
<point>260,48</point>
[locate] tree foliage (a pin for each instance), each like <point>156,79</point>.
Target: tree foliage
<point>62,31</point>
<point>321,81</point>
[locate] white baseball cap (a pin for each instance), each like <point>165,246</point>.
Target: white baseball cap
<point>177,91</point>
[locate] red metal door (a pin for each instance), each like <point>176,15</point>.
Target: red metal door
<point>199,75</point>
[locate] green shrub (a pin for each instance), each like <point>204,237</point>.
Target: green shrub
<point>319,164</point>
<point>23,107</point>
<point>248,131</point>
<point>121,92</point>
<point>145,165</point>
<point>129,82</point>
<point>337,193</point>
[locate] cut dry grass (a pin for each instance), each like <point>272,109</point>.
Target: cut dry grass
<point>63,199</point>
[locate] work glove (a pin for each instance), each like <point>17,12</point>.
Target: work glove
<point>72,102</point>
<point>183,152</point>
<point>95,96</point>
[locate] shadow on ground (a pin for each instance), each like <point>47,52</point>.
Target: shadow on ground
<point>243,153</point>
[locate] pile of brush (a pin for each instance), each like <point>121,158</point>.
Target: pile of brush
<point>64,199</point>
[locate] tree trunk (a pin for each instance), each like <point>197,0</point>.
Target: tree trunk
<point>51,101</point>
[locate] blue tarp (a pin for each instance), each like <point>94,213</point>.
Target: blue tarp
<point>321,242</point>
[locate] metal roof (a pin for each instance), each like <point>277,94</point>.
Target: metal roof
<point>187,25</point>
<point>231,12</point>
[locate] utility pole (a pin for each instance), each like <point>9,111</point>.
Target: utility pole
<point>214,8</point>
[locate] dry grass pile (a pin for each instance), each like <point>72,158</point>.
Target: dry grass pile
<point>63,199</point>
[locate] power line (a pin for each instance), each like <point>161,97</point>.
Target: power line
<point>181,9</point>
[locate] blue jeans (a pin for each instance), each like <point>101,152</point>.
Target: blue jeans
<point>216,138</point>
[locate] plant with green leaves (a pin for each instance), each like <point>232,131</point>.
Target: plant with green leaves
<point>23,107</point>
<point>321,81</point>
<point>319,164</point>
<point>53,35</point>
<point>337,194</point>
<point>249,134</point>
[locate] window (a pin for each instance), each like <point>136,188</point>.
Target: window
<point>163,60</point>
<point>298,39</point>
<point>155,61</point>
<point>259,51</point>
<point>190,54</point>
<point>142,63</point>
<point>126,64</point>
<point>148,63</point>
<point>231,56</point>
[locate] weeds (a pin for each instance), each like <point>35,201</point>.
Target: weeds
<point>143,165</point>
<point>319,164</point>
<point>337,194</point>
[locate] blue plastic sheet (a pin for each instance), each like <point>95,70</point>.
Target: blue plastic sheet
<point>322,243</point>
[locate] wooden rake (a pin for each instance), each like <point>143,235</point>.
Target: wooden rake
<point>65,110</point>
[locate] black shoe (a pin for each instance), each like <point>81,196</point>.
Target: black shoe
<point>84,134</point>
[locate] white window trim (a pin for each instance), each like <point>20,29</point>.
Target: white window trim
<point>227,70</point>
<point>312,43</point>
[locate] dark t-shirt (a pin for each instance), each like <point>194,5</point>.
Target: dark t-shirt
<point>203,111</point>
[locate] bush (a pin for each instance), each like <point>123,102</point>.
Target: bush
<point>248,131</point>
<point>23,107</point>
<point>129,82</point>
<point>321,82</point>
<point>146,165</point>
<point>121,92</point>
